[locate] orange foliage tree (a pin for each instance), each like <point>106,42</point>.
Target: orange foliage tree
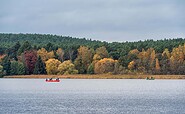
<point>131,65</point>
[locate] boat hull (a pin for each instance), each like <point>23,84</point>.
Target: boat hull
<point>52,80</point>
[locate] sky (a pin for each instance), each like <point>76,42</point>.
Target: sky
<point>105,20</point>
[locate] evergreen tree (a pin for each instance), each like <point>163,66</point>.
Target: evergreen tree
<point>12,52</point>
<point>90,69</point>
<point>6,65</point>
<point>21,70</point>
<point>49,47</point>
<point>17,68</point>
<point>39,67</point>
<point>25,47</point>
<point>79,66</point>
<point>14,66</point>
<point>1,71</point>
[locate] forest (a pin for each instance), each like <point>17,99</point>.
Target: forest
<point>25,54</point>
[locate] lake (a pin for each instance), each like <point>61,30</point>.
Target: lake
<point>92,96</point>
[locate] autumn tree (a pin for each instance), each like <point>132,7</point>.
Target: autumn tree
<point>102,52</point>
<point>146,60</point>
<point>30,58</point>
<point>52,66</point>
<point>131,65</point>
<point>67,67</point>
<point>105,65</point>
<point>84,59</point>
<point>166,54</point>
<point>177,60</point>
<point>45,55</point>
<point>51,55</point>
<point>134,51</point>
<point>132,56</point>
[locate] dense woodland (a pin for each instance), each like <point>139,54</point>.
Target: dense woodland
<point>22,54</point>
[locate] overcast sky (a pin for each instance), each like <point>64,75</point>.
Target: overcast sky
<point>105,20</point>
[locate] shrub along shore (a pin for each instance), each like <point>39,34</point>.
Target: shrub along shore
<point>102,76</point>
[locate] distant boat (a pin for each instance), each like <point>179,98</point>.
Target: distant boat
<point>53,80</point>
<point>150,78</point>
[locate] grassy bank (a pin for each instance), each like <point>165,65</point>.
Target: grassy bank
<point>102,76</point>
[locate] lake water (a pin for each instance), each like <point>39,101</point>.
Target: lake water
<point>92,96</point>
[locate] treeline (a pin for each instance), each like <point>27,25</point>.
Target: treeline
<point>52,54</point>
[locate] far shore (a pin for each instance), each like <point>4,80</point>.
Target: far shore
<point>102,76</point>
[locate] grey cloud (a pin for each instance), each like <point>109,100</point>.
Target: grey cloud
<point>112,20</point>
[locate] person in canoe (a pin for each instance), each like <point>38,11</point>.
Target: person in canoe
<point>57,79</point>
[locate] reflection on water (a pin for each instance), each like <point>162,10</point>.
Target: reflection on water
<point>92,96</point>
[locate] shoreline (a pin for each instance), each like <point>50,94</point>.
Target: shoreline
<point>102,76</point>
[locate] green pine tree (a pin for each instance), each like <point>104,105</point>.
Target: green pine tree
<point>39,67</point>
<point>90,69</point>
<point>6,65</point>
<point>17,68</point>
<point>1,71</point>
<point>25,47</point>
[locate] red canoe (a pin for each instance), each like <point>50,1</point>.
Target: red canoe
<point>52,80</point>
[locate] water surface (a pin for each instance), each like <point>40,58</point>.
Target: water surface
<point>92,96</point>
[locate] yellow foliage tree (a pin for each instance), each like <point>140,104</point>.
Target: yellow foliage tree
<point>105,65</point>
<point>67,67</point>
<point>134,51</point>
<point>96,58</point>
<point>131,65</point>
<point>45,55</point>
<point>166,53</point>
<point>52,66</point>
<point>50,55</point>
<point>142,55</point>
<point>178,54</point>
<point>84,58</point>
<point>102,52</point>
<point>152,56</point>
